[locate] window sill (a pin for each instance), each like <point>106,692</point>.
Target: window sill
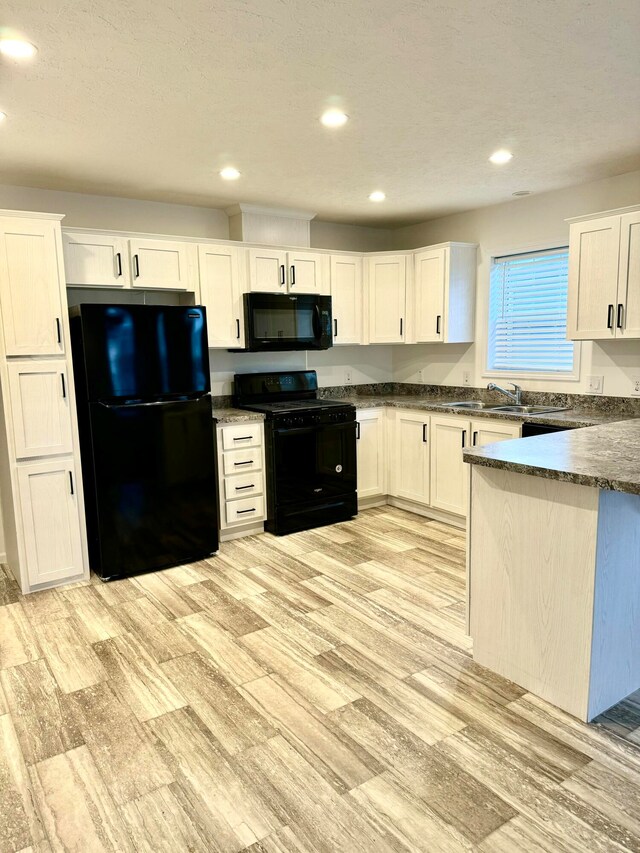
<point>524,375</point>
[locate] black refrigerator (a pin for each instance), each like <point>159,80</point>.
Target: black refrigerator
<point>147,436</point>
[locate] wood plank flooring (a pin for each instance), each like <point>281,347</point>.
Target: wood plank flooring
<point>299,694</point>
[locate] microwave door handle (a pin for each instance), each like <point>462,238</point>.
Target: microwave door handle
<point>317,326</point>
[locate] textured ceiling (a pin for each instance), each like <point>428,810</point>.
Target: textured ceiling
<point>149,98</point>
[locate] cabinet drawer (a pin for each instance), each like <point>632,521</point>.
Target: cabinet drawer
<point>242,461</point>
<point>241,435</point>
<point>240,512</point>
<point>243,486</point>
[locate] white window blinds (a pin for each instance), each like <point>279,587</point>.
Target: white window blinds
<point>528,313</point>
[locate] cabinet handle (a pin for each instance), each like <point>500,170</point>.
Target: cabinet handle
<point>243,438</point>
<point>438,318</point>
<point>71,482</point>
<point>136,266</point>
<point>464,437</point>
<point>282,274</point>
<point>118,264</point>
<point>335,326</point>
<point>424,433</point>
<point>357,430</point>
<point>242,511</point>
<point>620,315</point>
<point>248,462</point>
<point>610,317</point>
<point>237,329</point>
<point>250,486</point>
<point>64,387</point>
<point>293,275</point>
<point>58,330</point>
<point>400,326</point>
<point>475,438</point>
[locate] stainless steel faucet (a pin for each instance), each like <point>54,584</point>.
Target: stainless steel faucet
<point>515,395</point>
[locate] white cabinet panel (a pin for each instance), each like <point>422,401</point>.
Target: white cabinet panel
<point>449,476</point>
<point>50,519</point>
<point>346,299</point>
<point>267,270</point>
<point>238,436</point>
<point>484,431</point>
<point>430,272</point>
<point>241,461</point>
<point>244,511</point>
<point>221,294</point>
<point>387,285</point>
<point>95,260</point>
<point>411,438</point>
<point>30,298</point>
<point>308,272</point>
<point>629,277</point>
<point>594,248</point>
<point>371,453</point>
<point>160,265</point>
<point>243,486</point>
<point>41,418</point>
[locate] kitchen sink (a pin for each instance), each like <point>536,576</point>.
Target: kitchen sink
<point>527,410</point>
<point>466,404</point>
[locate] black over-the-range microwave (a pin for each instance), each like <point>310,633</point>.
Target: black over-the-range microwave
<point>283,321</point>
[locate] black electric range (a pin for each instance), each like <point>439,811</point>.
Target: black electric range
<point>310,448</point>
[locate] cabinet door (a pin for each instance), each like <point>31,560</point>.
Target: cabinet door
<point>50,520</point>
<point>449,474</point>
<point>346,299</point>
<point>371,450</point>
<point>160,265</point>
<point>485,431</point>
<point>411,456</point>
<point>629,277</point>
<point>40,408</point>
<point>308,272</point>
<point>30,298</point>
<point>594,248</point>
<point>430,279</point>
<point>387,293</point>
<point>221,294</point>
<point>267,271</point>
<point>95,260</point>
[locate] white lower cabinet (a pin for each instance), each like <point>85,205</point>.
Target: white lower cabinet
<point>241,475</point>
<point>371,448</point>
<point>40,413</point>
<point>48,499</point>
<point>485,431</point>
<point>411,463</point>
<point>448,472</point>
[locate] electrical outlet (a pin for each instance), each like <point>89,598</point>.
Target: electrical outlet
<point>466,377</point>
<point>635,385</point>
<point>595,384</point>
<point>348,376</point>
<point>421,376</point>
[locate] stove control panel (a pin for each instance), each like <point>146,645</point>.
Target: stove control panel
<point>310,419</point>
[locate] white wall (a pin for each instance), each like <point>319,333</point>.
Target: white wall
<point>532,222</point>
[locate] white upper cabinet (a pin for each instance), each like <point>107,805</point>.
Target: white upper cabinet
<point>40,414</point>
<point>95,260</point>
<point>308,272</point>
<point>221,294</point>
<point>387,290</point>
<point>161,265</point>
<point>346,299</point>
<point>30,298</point>
<point>444,293</point>
<point>604,277</point>
<point>279,271</point>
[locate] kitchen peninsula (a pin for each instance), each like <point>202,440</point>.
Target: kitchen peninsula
<point>554,564</point>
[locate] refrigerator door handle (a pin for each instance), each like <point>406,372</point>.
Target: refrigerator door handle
<point>152,403</point>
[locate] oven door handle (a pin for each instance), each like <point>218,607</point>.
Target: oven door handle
<point>347,425</point>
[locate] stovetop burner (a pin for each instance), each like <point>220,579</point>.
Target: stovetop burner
<point>283,406</point>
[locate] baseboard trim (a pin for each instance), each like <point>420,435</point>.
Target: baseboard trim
<point>418,509</point>
<point>3,557</point>
<point>239,532</point>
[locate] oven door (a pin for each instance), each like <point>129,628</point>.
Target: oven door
<point>278,321</point>
<point>312,465</point>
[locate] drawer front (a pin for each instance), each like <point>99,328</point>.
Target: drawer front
<point>244,511</point>
<point>243,486</point>
<point>241,435</point>
<point>242,461</point>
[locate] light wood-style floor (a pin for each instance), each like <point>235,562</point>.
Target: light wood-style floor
<point>307,693</point>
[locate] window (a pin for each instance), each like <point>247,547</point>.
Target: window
<point>528,314</point>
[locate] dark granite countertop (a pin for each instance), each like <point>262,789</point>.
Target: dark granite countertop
<point>605,456</point>
<point>229,415</point>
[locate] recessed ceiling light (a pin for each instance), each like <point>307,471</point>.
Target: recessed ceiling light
<point>2,116</point>
<point>17,48</point>
<point>334,118</point>
<point>378,195</point>
<point>520,193</point>
<point>501,157</point>
<point>230,173</point>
